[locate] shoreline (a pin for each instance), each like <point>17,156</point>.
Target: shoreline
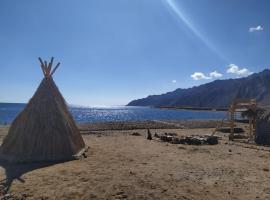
<point>144,124</point>
<point>148,124</point>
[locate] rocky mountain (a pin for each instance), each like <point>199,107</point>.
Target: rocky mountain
<point>216,94</point>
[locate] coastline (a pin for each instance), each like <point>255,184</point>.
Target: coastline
<point>148,124</point>
<point>192,108</point>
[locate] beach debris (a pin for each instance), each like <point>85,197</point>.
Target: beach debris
<point>84,155</point>
<point>156,135</point>
<point>171,134</point>
<point>177,140</point>
<point>9,196</point>
<point>135,134</point>
<point>212,140</point>
<point>190,140</point>
<point>228,130</point>
<point>149,135</point>
<point>240,136</point>
<point>266,169</point>
<point>166,138</point>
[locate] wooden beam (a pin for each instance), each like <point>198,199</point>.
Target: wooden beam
<point>232,112</point>
<point>55,68</point>
<point>42,66</point>
<point>50,65</point>
<point>46,68</point>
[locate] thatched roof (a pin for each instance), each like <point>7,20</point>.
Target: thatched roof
<point>44,130</point>
<point>252,112</point>
<point>261,114</point>
<point>264,115</point>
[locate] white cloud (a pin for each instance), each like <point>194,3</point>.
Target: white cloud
<point>173,81</point>
<point>198,76</point>
<point>240,72</point>
<point>254,29</point>
<point>215,74</point>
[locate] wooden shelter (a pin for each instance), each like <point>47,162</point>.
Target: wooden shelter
<point>44,130</point>
<point>263,128</point>
<point>240,105</point>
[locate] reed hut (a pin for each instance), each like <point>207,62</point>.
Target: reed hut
<point>263,128</point>
<point>44,130</point>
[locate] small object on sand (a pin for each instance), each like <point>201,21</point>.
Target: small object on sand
<point>166,138</point>
<point>84,155</point>
<point>156,135</point>
<point>176,140</point>
<point>266,169</point>
<point>149,135</point>
<point>212,140</point>
<point>228,130</point>
<point>190,140</point>
<point>172,134</point>
<point>135,134</point>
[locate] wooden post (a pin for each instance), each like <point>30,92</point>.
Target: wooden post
<point>232,110</point>
<point>42,66</point>
<point>55,68</point>
<point>46,67</point>
<point>250,128</point>
<point>50,65</point>
<point>254,128</point>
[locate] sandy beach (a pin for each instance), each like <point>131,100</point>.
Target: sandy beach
<point>119,165</point>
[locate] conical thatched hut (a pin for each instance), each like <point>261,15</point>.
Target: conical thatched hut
<point>263,128</point>
<point>44,130</point>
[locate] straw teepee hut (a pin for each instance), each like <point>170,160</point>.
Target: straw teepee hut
<point>44,130</point>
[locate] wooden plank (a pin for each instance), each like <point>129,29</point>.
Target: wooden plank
<point>46,68</point>
<point>55,68</point>
<point>42,66</point>
<point>50,65</point>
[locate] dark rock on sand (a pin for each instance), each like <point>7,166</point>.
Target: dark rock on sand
<point>149,135</point>
<point>135,134</point>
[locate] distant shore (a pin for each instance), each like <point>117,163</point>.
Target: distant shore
<point>192,108</point>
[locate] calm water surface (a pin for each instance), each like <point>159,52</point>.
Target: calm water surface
<point>8,112</point>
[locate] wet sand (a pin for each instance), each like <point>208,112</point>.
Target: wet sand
<point>121,166</point>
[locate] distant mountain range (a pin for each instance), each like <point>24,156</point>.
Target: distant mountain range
<point>216,94</point>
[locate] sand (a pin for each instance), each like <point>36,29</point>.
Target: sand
<point>122,166</point>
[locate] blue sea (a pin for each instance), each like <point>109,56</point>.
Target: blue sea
<point>8,112</point>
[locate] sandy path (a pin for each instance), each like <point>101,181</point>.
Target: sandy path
<point>120,166</point>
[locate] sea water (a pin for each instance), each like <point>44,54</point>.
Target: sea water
<point>8,112</point>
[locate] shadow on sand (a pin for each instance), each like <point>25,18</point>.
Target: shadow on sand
<point>15,171</point>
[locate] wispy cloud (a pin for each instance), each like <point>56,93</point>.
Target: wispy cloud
<point>174,81</point>
<point>215,74</point>
<point>200,75</point>
<point>231,69</point>
<point>255,29</point>
<point>240,72</point>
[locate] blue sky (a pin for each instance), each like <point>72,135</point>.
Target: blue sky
<point>112,52</point>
